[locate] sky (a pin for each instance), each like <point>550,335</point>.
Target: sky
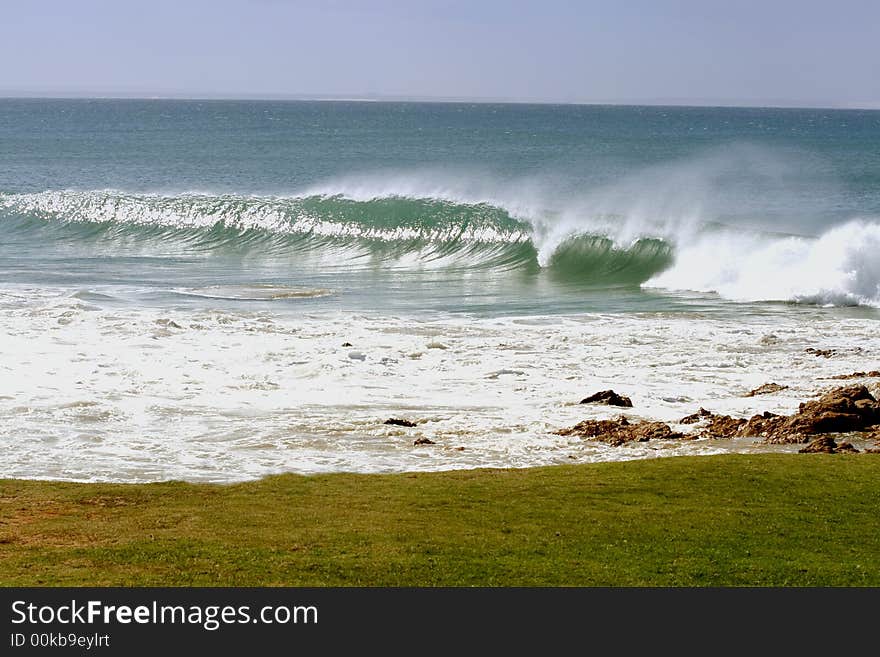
<point>733,52</point>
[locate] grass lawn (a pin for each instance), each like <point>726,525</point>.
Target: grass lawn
<point>732,520</point>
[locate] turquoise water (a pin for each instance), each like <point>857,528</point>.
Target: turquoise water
<point>469,207</point>
<point>218,290</point>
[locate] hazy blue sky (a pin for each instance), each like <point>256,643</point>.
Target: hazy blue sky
<point>767,51</point>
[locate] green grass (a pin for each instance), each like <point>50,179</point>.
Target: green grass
<point>733,520</point>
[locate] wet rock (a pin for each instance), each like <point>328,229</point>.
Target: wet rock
<point>828,422</point>
<point>701,414</point>
<point>841,410</point>
<point>820,445</point>
<point>722,426</point>
<point>766,389</point>
<point>423,441</point>
<point>608,397</point>
<point>592,428</point>
<point>827,445</point>
<point>824,353</point>
<point>619,431</point>
<point>347,344</point>
<point>398,422</point>
<point>858,375</point>
<point>770,427</point>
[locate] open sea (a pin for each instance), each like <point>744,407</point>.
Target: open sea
<point>220,290</point>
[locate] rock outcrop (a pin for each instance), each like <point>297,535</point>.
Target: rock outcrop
<point>722,426</point>
<point>852,408</point>
<point>841,410</point>
<point>824,353</point>
<point>766,389</point>
<point>701,414</point>
<point>608,397</point>
<point>620,430</point>
<point>399,422</point>
<point>827,445</point>
<point>873,374</point>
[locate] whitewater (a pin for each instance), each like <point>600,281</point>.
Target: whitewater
<point>216,291</point>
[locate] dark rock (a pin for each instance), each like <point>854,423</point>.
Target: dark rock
<point>398,422</point>
<point>347,344</point>
<point>858,375</point>
<point>771,427</point>
<point>766,389</point>
<point>839,411</point>
<point>701,414</point>
<point>827,445</point>
<point>824,353</point>
<point>608,397</point>
<point>820,445</point>
<point>827,422</point>
<point>619,431</point>
<point>722,426</point>
<point>843,409</point>
<point>423,441</point>
<point>593,428</point>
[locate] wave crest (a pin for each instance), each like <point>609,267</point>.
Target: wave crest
<point>394,230</point>
<point>839,267</point>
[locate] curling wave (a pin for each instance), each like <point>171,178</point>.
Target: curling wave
<point>839,267</point>
<point>389,231</point>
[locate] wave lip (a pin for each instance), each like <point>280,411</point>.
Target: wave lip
<point>599,259</point>
<point>392,218</point>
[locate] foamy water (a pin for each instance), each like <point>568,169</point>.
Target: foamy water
<point>91,393</point>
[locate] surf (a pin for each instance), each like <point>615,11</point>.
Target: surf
<point>401,229</point>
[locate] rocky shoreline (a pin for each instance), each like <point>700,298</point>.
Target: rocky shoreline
<point>826,424</point>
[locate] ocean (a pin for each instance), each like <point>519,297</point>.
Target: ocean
<point>221,290</point>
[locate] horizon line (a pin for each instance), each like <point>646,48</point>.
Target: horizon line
<point>22,94</point>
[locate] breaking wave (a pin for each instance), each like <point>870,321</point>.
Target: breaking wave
<point>395,230</point>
